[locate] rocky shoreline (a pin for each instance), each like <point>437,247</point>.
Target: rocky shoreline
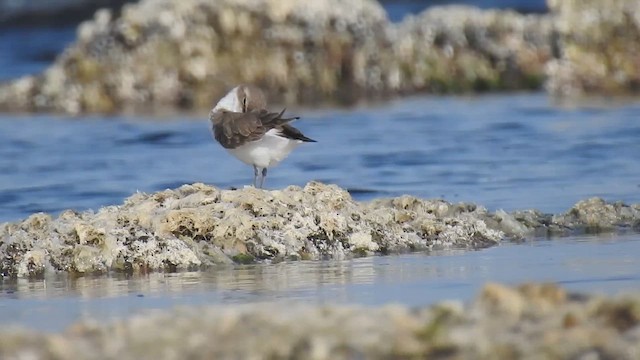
<point>186,54</point>
<point>197,226</point>
<point>525,322</point>
<point>599,46</point>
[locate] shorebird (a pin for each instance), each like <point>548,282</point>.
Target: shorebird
<point>244,127</point>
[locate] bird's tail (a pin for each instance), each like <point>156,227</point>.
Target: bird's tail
<point>276,119</point>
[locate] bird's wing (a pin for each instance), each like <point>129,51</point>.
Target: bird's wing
<point>289,132</point>
<point>233,129</point>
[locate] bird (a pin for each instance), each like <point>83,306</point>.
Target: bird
<point>245,128</point>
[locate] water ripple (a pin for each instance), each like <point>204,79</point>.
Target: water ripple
<point>503,151</point>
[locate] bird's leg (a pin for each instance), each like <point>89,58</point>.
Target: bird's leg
<point>264,175</point>
<point>255,176</point>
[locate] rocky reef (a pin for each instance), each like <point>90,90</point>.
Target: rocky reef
<point>462,49</point>
<point>189,53</point>
<point>529,321</point>
<point>599,47</point>
<point>186,54</point>
<point>196,226</point>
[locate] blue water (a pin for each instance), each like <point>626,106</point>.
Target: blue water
<point>509,151</point>
<point>595,265</point>
<point>502,151</point>
<point>28,51</point>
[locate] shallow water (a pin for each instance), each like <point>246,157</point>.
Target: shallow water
<point>605,265</point>
<point>501,151</point>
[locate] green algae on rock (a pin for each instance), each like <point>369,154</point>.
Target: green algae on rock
<point>187,53</point>
<point>196,226</point>
<point>599,45</point>
<point>529,321</point>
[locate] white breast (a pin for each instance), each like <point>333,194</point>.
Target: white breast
<point>266,152</point>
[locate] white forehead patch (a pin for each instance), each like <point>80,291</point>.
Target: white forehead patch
<point>229,102</point>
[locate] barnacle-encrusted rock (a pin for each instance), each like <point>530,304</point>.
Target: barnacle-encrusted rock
<point>599,43</point>
<point>596,215</point>
<point>197,225</point>
<point>462,48</point>
<point>530,321</point>
<point>188,53</point>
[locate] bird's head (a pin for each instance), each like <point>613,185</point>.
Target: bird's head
<point>251,98</point>
<point>242,98</point>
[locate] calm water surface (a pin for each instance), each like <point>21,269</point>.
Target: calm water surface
<point>602,265</point>
<point>502,151</point>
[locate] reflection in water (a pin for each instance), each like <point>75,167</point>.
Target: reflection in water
<point>259,279</point>
<point>593,264</point>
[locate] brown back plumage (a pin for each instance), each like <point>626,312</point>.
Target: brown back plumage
<point>233,129</point>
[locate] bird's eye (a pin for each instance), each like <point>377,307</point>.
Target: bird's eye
<point>244,104</point>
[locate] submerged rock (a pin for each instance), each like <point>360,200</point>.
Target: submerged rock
<point>539,320</point>
<point>196,226</point>
<point>599,45</point>
<point>188,53</point>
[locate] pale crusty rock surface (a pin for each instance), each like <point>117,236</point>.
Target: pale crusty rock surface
<point>189,53</point>
<point>599,43</point>
<point>462,48</point>
<point>532,321</point>
<point>186,54</point>
<point>196,226</point>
